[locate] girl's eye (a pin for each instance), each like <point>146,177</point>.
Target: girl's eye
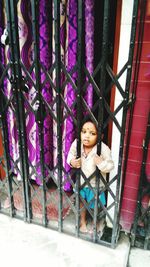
<point>93,133</point>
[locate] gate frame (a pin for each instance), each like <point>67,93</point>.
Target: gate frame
<point>17,81</point>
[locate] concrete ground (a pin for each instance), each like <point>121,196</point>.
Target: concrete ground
<point>23,244</point>
<point>139,258</point>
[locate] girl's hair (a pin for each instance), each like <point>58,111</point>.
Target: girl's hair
<point>89,119</point>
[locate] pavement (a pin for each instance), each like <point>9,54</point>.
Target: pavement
<point>23,244</point>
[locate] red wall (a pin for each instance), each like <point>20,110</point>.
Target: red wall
<point>138,131</point>
<point>2,172</point>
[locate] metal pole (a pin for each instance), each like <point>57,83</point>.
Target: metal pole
<point>79,109</point>
<point>11,7</point>
<point>58,103</point>
<point>101,105</point>
<point>35,28</point>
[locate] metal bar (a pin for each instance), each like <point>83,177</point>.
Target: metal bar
<point>4,132</point>
<point>101,105</point>
<point>20,111</point>
<point>145,156</point>
<point>58,104</point>
<point>35,29</point>
<point>147,237</point>
<point>10,26</point>
<point>12,73</point>
<point>128,80</point>
<point>79,109</point>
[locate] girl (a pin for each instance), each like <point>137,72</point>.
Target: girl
<point>88,162</point>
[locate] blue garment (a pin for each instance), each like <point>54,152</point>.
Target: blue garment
<point>87,194</point>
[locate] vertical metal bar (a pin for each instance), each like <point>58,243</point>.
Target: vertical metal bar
<point>143,171</point>
<point>79,109</point>
<point>5,133</point>
<point>58,107</point>
<point>35,27</point>
<point>3,118</point>
<point>20,116</point>
<point>14,49</point>
<point>104,55</point>
<point>127,87</point>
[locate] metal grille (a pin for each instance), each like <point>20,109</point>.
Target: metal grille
<point>16,81</point>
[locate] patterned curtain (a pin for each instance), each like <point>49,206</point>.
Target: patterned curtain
<point>69,43</point>
<point>1,32</point>
<point>6,90</point>
<point>69,93</point>
<point>25,41</point>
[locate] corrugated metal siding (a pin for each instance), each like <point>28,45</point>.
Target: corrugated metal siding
<point>140,116</point>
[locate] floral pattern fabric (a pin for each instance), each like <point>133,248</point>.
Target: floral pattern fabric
<point>69,54</point>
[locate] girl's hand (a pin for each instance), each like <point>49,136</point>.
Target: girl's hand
<point>98,159</point>
<point>76,163</point>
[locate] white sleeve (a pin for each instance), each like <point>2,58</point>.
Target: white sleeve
<point>72,152</point>
<point>107,164</point>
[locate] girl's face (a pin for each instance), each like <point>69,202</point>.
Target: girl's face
<point>88,134</point>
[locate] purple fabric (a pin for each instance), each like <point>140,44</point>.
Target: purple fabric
<point>12,129</point>
<point>69,43</point>
<point>25,40</point>
<point>89,46</point>
<point>45,58</point>
<point>1,31</point>
<point>46,61</point>
<point>63,7</point>
<point>69,94</point>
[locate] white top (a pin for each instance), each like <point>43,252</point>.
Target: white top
<point>87,162</point>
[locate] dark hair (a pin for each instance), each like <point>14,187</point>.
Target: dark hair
<point>89,119</point>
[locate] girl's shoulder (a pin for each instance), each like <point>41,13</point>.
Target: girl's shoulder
<point>74,144</point>
<point>105,148</point>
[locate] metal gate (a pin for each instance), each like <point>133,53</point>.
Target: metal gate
<point>37,185</point>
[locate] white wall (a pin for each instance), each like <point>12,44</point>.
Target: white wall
<point>126,20</point>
